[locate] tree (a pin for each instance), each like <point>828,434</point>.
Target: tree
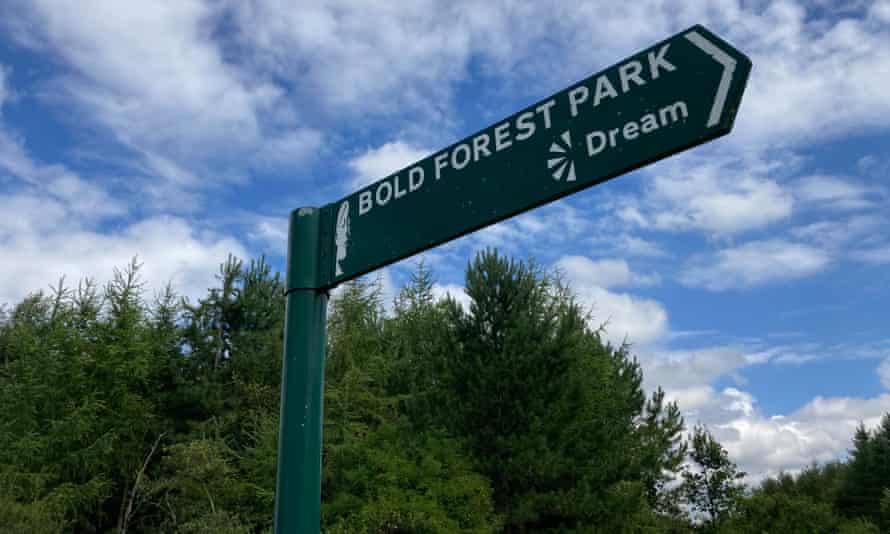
<point>711,482</point>
<point>79,397</point>
<point>380,472</point>
<point>765,512</point>
<point>868,474</point>
<point>885,506</point>
<point>556,418</point>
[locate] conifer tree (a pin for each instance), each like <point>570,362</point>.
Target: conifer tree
<point>712,483</point>
<point>556,418</point>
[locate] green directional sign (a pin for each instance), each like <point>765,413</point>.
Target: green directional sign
<point>679,93</point>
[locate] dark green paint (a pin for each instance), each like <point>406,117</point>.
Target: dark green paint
<point>517,179</point>
<point>298,489</point>
<point>492,189</point>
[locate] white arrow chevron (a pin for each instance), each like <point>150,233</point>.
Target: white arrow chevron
<point>728,68</point>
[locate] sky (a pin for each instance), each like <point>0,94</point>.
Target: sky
<point>751,275</point>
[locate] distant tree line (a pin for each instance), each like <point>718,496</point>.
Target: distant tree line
<point>120,413</point>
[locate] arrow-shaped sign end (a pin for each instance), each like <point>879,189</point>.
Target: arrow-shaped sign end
<point>729,65</point>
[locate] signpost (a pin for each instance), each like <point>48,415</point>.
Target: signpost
<point>677,94</point>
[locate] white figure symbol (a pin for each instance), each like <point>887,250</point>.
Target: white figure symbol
<point>342,236</point>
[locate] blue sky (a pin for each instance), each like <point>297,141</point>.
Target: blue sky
<point>751,274</point>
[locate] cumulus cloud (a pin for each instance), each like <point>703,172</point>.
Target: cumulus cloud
<point>627,317</point>
<point>170,248</point>
<point>762,444</point>
<point>604,273</point>
<point>52,228</point>
<point>755,263</point>
<point>690,370</point>
<point>714,195</point>
<point>819,72</point>
<point>377,163</point>
<point>765,445</point>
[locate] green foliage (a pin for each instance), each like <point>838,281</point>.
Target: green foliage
<point>820,483</point>
<point>38,517</point>
<point>196,486</point>
<point>387,483</point>
<point>553,416</point>
<point>885,505</point>
<point>379,475</point>
<point>712,482</point>
<point>127,414</point>
<point>78,396</point>
<point>783,513</point>
<point>868,475</point>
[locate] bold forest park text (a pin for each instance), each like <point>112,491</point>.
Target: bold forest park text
<point>584,97</point>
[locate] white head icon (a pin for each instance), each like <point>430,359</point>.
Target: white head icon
<point>342,236</point>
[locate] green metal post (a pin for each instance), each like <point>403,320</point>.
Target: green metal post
<point>298,491</point>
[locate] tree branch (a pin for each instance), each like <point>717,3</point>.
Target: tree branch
<point>125,519</point>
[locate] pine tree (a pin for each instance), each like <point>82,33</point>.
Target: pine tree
<point>380,472</point>
<point>557,418</point>
<point>868,473</point>
<point>712,483</point>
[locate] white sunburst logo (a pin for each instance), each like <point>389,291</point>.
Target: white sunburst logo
<point>559,163</point>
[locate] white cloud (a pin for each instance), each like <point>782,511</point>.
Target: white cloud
<point>761,444</point>
<point>557,223</point>
<point>373,58</point>
<point>733,206</point>
<point>880,10</point>
<point>814,77</point>
<point>816,74</point>
<point>455,291</point>
<point>55,183</point>
<point>288,146</point>
<point>681,370</point>
<point>884,372</point>
<point>155,75</point>
<point>755,263</point>
<point>171,250</point>
<point>604,273</point>
<point>835,233</point>
<point>717,196</point>
<point>764,445</point>
<point>271,233</point>
<point>369,55</point>
<point>50,229</point>
<point>833,192</point>
<point>380,162</point>
<point>627,317</point>
<point>635,246</point>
